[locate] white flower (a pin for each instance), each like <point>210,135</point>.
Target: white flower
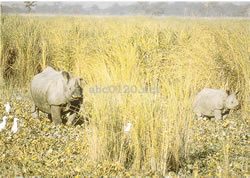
<point>3,124</point>
<point>7,107</point>
<point>14,127</point>
<point>127,127</point>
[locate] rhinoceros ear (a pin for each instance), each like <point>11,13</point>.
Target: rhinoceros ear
<point>82,82</point>
<point>66,76</point>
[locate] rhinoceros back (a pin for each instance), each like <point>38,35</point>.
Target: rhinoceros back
<point>47,88</point>
<point>207,100</point>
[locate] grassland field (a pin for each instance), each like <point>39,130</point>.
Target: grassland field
<point>178,57</point>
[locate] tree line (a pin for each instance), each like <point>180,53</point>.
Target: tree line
<point>200,9</point>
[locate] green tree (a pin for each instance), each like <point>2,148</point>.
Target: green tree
<point>29,5</point>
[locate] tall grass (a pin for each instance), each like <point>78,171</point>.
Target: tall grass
<point>178,56</point>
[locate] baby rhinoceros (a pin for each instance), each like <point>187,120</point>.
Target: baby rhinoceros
<point>214,103</point>
<point>56,93</point>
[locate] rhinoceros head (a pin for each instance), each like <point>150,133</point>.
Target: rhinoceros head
<point>231,101</point>
<point>73,89</point>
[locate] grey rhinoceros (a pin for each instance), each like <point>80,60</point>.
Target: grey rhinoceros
<point>56,93</point>
<point>214,103</point>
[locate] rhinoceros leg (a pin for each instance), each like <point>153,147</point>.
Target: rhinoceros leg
<point>35,112</point>
<point>199,116</point>
<point>56,114</point>
<point>50,117</point>
<point>225,114</point>
<point>217,114</point>
<point>71,119</point>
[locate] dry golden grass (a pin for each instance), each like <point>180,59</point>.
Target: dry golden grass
<point>179,56</point>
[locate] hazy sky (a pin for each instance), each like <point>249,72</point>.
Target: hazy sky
<point>101,5</point>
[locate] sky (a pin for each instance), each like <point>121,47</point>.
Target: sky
<point>104,4</point>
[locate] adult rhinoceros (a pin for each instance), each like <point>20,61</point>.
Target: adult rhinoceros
<point>57,94</point>
<point>214,103</point>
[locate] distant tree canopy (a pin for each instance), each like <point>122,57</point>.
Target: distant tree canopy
<point>29,5</point>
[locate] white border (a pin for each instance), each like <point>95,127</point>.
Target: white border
<point>130,1</point>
